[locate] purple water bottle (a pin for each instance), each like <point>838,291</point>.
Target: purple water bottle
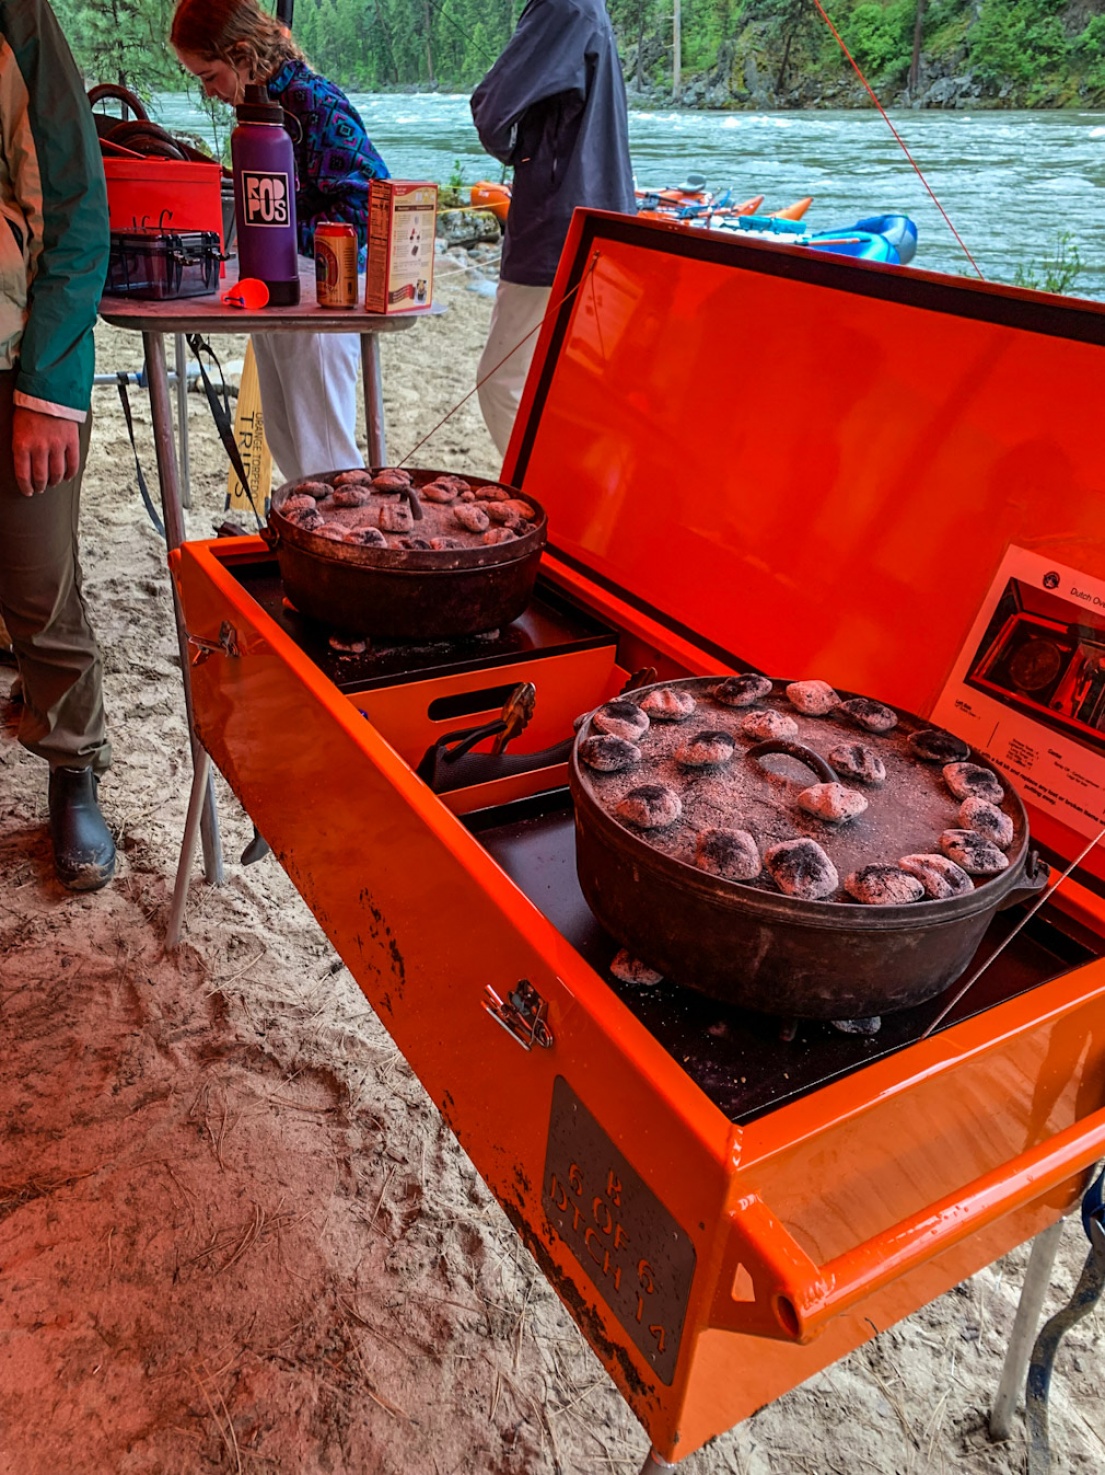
<point>264,197</point>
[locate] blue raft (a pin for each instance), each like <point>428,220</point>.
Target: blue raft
<point>887,238</point>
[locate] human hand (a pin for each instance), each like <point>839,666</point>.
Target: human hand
<point>45,450</point>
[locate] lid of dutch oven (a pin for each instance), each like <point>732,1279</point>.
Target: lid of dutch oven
<point>818,466</point>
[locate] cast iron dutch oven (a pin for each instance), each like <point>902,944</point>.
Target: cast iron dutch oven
<point>407,594</point>
<point>753,946</point>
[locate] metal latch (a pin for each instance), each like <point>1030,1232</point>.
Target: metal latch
<point>523,1014</point>
<point>227,644</point>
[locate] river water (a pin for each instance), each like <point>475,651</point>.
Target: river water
<point>1010,182</point>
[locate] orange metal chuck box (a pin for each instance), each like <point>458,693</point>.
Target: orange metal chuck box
<point>752,458</point>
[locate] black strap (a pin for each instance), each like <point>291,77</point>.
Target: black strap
<point>220,412</point>
<point>121,381</point>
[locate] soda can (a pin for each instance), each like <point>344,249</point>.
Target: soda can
<point>335,264</point>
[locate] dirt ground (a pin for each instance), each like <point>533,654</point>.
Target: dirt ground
<point>234,1234</point>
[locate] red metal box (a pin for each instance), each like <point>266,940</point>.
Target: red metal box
<point>164,193</point>
<point>750,457</point>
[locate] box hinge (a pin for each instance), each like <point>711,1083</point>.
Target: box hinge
<point>227,644</point>
<point>523,1014</point>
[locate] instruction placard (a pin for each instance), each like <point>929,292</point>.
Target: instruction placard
<point>1028,687</point>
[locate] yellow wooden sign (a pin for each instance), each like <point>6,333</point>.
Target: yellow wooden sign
<point>249,432</point>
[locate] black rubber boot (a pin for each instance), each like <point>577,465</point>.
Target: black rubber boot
<point>84,852</point>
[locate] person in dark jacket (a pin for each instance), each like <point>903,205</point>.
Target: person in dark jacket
<point>54,246</point>
<point>308,380</point>
<point>553,106</point>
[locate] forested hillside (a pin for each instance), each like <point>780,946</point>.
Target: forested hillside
<point>732,53</point>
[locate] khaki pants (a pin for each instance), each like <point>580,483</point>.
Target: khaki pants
<point>517,312</point>
<point>42,606</point>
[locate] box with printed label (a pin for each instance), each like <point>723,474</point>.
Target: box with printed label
<point>402,218</point>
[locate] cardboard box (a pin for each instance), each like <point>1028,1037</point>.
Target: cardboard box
<point>402,220</point>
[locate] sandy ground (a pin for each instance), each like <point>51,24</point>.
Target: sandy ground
<point>234,1234</point>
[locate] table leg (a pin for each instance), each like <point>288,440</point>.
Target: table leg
<point>1037,1278</point>
<point>373,400</point>
<point>181,357</point>
<point>654,1465</point>
<point>196,800</point>
<point>168,478</point>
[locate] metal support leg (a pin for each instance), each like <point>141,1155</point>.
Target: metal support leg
<point>182,420</point>
<point>196,800</point>
<point>373,400</point>
<point>1037,1278</point>
<point>161,415</point>
<point>654,1465</point>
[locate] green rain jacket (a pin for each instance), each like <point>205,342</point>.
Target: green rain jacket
<point>54,237</point>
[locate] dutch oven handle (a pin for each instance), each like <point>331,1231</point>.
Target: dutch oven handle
<point>769,1286</point>
<point>825,772</point>
<point>1037,873</point>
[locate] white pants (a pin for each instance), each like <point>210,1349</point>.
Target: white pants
<point>309,393</point>
<point>517,311</point>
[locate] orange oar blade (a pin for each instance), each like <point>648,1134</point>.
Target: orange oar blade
<point>749,207</point>
<point>795,211</point>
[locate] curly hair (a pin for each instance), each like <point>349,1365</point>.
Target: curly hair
<point>233,31</point>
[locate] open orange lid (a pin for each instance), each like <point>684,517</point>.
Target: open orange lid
<point>840,470</point>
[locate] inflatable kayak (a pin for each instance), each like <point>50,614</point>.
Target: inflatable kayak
<point>493,197</point>
<point>692,202</point>
<point>891,239</point>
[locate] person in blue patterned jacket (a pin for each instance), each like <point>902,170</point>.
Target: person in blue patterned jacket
<point>308,381</point>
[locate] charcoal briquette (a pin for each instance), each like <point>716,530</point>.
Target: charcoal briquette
<point>650,807</point>
<point>939,876</point>
<point>706,749</point>
<point>883,886</point>
<point>391,479</point>
<point>438,491</point>
<point>471,517</point>
<point>935,745</point>
<point>742,691</point>
<point>970,781</point>
<point>629,969</point>
<point>833,802</point>
<point>668,704</point>
<point>873,716</point>
<point>621,719</point>
<point>856,761</point>
<point>765,725</point>
<point>801,869</point>
<point>606,754</point>
<point>732,854</point>
<point>987,820</point>
<point>812,698</point>
<point>353,494</point>
<point>396,518</point>
<point>975,854</point>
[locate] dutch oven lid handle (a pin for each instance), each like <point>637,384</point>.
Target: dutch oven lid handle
<point>825,772</point>
<point>415,505</point>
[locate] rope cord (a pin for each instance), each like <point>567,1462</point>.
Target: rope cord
<point>493,371</point>
<point>900,140</point>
